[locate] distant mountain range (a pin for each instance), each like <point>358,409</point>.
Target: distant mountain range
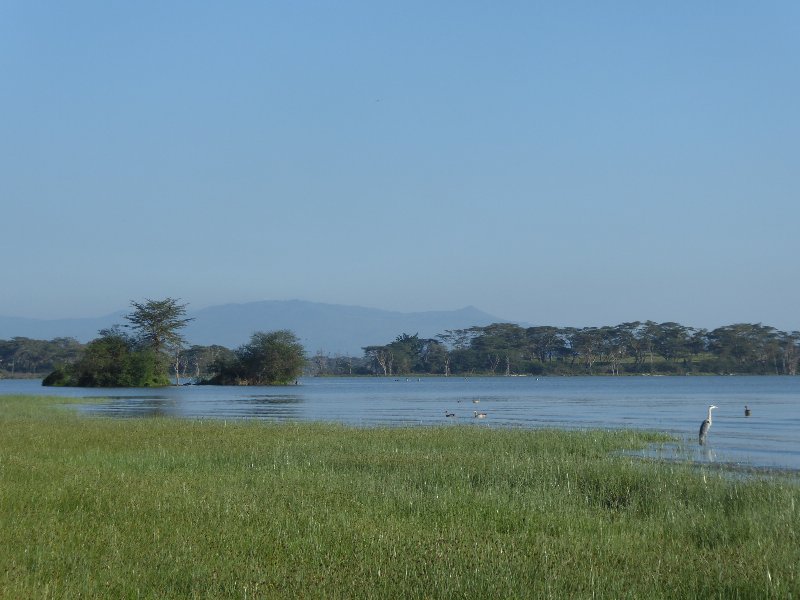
<point>330,328</point>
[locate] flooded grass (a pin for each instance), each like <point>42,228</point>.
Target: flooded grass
<point>97,507</point>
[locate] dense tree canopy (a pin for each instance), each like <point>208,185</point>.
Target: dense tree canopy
<point>139,359</point>
<point>500,349</point>
<point>112,360</point>
<point>632,347</point>
<point>275,357</point>
<point>157,323</point>
<point>21,356</point>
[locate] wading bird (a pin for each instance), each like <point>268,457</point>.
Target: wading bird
<point>706,425</point>
<point>746,411</point>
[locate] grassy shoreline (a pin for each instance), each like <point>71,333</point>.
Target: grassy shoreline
<point>96,507</point>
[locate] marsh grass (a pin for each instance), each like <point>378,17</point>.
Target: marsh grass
<point>160,508</point>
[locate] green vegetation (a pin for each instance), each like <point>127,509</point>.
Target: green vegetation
<point>117,359</point>
<point>143,358</point>
<point>499,349</point>
<point>159,508</point>
<point>633,348</point>
<point>157,324</point>
<point>275,357</point>
<point>26,357</point>
<point>112,360</point>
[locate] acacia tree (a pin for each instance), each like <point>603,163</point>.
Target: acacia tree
<point>157,324</point>
<point>542,343</point>
<point>454,342</point>
<point>499,342</point>
<point>407,353</point>
<point>587,342</point>
<point>382,355</point>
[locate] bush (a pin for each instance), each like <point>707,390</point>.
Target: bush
<point>112,361</point>
<point>270,358</point>
<point>58,378</point>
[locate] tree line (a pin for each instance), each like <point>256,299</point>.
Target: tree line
<point>149,349</point>
<point>22,357</point>
<point>628,348</point>
<point>141,354</point>
<point>26,357</point>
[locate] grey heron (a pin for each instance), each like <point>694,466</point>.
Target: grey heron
<point>706,425</point>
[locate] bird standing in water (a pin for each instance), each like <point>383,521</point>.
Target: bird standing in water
<point>706,425</point>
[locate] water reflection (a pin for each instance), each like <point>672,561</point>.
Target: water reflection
<point>135,406</point>
<point>263,398</point>
<point>253,406</point>
<point>709,455</point>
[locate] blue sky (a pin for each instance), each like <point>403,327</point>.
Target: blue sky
<point>570,163</point>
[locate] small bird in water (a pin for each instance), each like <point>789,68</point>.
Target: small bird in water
<point>449,414</point>
<point>475,401</point>
<point>746,411</point>
<point>479,415</point>
<point>705,426</point>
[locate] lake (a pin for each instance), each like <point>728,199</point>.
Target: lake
<point>770,438</point>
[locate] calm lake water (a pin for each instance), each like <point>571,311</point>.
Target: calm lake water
<point>675,405</point>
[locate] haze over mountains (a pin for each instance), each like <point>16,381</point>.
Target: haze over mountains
<point>330,328</point>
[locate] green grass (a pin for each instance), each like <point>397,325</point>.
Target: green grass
<point>160,508</point>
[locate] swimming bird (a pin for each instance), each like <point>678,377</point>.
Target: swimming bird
<point>449,414</point>
<point>705,426</point>
<point>746,411</point>
<point>479,415</point>
<point>475,401</point>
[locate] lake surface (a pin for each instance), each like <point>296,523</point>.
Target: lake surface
<point>675,405</point>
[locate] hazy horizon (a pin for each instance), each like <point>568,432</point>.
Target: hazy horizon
<point>569,164</point>
<point>500,318</point>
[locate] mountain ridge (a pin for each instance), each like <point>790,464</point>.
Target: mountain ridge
<point>321,327</point>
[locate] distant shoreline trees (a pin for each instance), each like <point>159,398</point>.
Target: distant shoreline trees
<point>630,348</point>
<point>644,348</point>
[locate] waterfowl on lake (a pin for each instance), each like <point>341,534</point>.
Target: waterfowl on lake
<point>746,411</point>
<point>479,415</point>
<point>475,401</point>
<point>705,426</point>
<point>449,414</point>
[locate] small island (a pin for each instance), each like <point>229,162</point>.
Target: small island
<point>144,356</point>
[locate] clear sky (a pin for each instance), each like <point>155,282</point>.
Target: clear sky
<point>564,163</point>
